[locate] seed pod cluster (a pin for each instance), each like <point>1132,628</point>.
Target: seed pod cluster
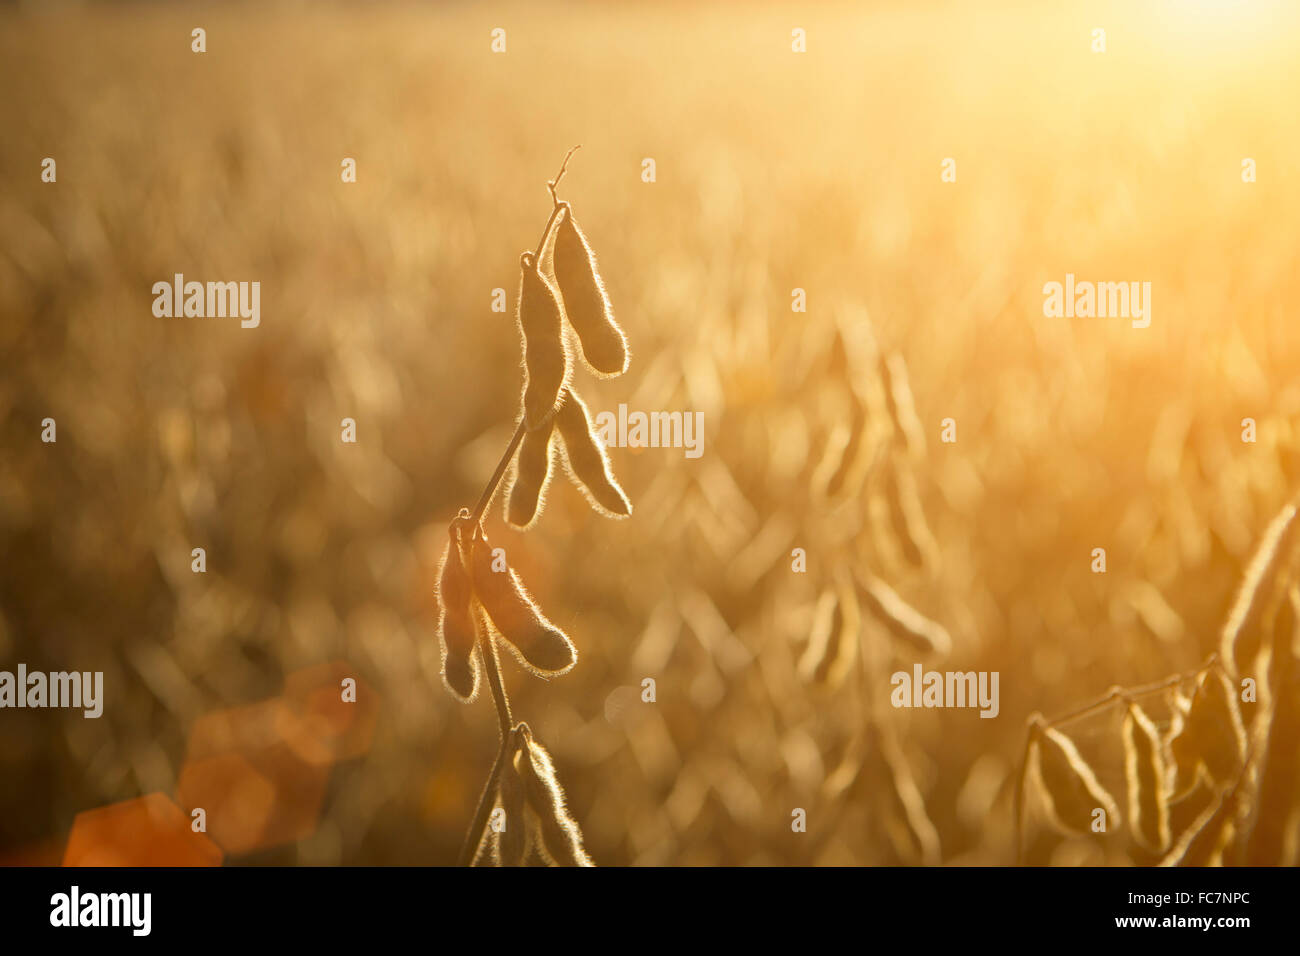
<point>481,598</point>
<point>584,458</point>
<point>1219,787</point>
<point>550,403</point>
<point>540,646</point>
<point>534,805</point>
<point>486,590</point>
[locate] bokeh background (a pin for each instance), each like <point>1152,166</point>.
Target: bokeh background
<point>775,170</point>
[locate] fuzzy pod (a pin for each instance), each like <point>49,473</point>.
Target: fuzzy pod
<point>604,346</point>
<point>547,363</point>
<point>531,476</point>
<point>538,644</point>
<point>1070,785</point>
<point>1144,775</point>
<point>559,839</point>
<point>456,628</point>
<point>588,464</point>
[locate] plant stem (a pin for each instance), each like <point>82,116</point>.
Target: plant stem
<point>505,722</point>
<point>555,201</point>
<point>486,644</point>
<point>485,499</point>
<point>474,837</point>
<point>1122,693</point>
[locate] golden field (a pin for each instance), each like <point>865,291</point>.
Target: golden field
<point>775,170</point>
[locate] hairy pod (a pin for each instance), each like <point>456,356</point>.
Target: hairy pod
<point>588,464</point>
<point>546,355</point>
<point>604,347</point>
<point>1069,784</point>
<point>538,644</point>
<point>532,475</point>
<point>559,839</point>
<point>456,628</point>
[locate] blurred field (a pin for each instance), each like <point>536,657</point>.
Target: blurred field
<point>775,171</point>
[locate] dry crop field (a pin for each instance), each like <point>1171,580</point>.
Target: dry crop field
<point>905,465</point>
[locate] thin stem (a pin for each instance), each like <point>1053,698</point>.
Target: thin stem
<point>486,645</point>
<point>555,202</point>
<point>1121,693</point>
<point>493,666</point>
<point>474,837</point>
<point>485,499</point>
<point>560,175</point>
<point>546,233</point>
